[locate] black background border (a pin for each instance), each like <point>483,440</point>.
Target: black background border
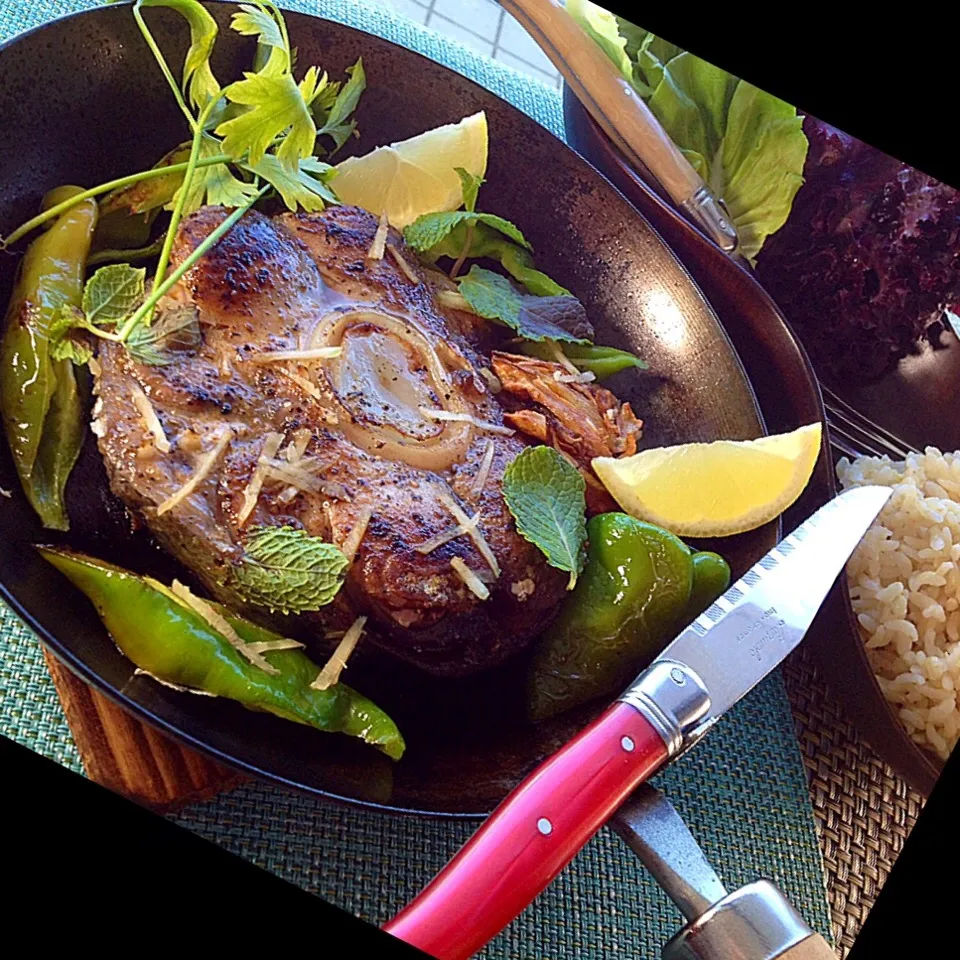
<point>104,868</point>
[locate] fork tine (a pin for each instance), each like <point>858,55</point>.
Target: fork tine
<point>843,413</point>
<point>888,441</point>
<point>853,442</point>
<point>841,444</point>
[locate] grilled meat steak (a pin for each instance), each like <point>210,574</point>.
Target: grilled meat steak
<point>331,443</point>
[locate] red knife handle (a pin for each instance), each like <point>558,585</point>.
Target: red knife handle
<point>532,836</point>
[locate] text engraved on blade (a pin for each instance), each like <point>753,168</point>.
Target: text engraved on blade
<point>760,634</point>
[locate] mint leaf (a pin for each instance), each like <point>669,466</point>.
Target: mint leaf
<point>430,229</point>
<point>67,318</point>
<point>175,330</point>
<point>602,362</point>
<point>486,242</point>
<point>62,346</point>
<point>69,349</point>
<point>535,318</point>
<point>338,124</point>
<point>541,317</point>
<point>505,227</point>
<point>285,569</point>
<point>546,496</point>
<point>113,293</point>
<point>471,187</point>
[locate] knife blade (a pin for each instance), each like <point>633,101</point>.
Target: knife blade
<point>539,828</point>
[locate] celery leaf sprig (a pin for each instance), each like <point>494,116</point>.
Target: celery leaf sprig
<point>251,139</point>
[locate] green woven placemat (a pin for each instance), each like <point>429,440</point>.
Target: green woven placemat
<point>743,791</point>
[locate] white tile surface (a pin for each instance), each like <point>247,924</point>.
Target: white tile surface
<point>551,79</point>
<point>516,41</point>
<point>482,26</point>
<point>479,16</point>
<point>460,33</point>
<point>408,8</point>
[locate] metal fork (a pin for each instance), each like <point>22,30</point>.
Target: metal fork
<point>855,435</point>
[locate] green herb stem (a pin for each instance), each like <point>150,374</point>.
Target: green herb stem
<point>283,25</point>
<point>181,200</point>
<point>467,241</point>
<point>125,256</point>
<point>158,56</point>
<point>161,291</point>
<point>68,204</point>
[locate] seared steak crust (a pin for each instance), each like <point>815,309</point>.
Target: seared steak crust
<point>290,284</point>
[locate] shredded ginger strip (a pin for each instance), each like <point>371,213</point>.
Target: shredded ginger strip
<point>296,475</point>
<point>252,492</point>
<point>473,582</point>
<point>152,422</point>
<point>588,376</point>
<point>483,473</point>
<point>466,418</point>
<point>314,353</point>
<point>266,646</point>
<point>451,533</point>
<point>454,301</point>
<point>298,446</point>
<point>475,534</point>
<point>201,473</point>
<point>405,267</point>
<point>562,358</point>
<point>221,625</point>
<point>330,674</point>
<point>290,474</point>
<point>379,238</point>
<point>309,388</point>
<point>352,544</point>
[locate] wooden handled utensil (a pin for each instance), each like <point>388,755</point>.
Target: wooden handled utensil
<point>755,922</point>
<point>623,115</point>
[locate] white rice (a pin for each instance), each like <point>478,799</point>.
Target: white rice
<point>905,588</point>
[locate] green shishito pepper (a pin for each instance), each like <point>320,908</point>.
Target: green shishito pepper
<point>39,397</point>
<point>711,577</point>
<point>639,586</point>
<point>173,643</point>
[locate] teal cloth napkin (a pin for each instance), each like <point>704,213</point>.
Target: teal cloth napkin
<point>743,790</point>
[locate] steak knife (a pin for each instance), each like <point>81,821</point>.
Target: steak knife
<point>713,663</point>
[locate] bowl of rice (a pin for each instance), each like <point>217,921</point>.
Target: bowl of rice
<point>904,587</point>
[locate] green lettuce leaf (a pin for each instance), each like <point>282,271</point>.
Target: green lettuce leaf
<point>603,28</point>
<point>747,145</point>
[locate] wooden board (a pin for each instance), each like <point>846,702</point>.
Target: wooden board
<point>130,758</point>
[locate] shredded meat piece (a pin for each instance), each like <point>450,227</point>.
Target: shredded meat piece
<point>581,420</point>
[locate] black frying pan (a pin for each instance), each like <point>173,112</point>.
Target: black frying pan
<point>83,100</point>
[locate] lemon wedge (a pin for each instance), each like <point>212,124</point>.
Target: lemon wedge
<point>713,489</point>
<point>415,176</point>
